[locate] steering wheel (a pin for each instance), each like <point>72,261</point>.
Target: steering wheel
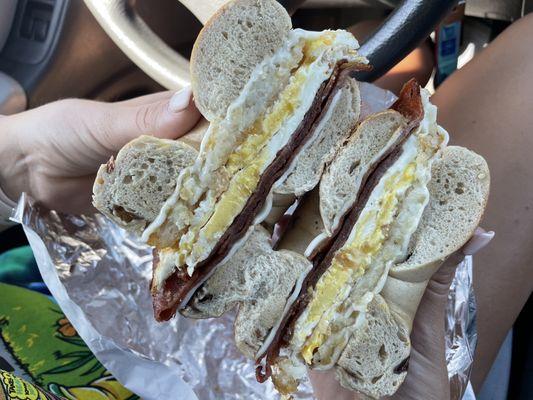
<point>408,25</point>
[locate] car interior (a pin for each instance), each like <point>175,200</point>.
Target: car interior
<point>56,49</point>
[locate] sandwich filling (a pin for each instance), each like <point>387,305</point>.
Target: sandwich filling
<point>373,245</point>
<point>375,234</point>
<point>263,130</point>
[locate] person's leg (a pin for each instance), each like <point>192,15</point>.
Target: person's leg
<point>488,107</point>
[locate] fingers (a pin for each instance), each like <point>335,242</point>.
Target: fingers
<point>156,97</point>
<point>70,195</point>
<point>147,99</point>
<point>325,386</point>
<point>181,100</point>
<point>427,334</point>
<point>480,239</point>
<point>437,291</point>
<point>442,279</point>
<point>163,116</point>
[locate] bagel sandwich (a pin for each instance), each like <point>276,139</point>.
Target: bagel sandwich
<point>279,101</point>
<point>438,195</point>
<point>378,203</point>
<point>391,207</point>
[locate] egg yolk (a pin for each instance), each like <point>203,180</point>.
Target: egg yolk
<point>246,164</point>
<point>353,259</point>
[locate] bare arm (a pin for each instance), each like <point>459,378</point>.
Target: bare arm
<point>488,107</point>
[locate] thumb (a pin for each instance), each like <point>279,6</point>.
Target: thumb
<point>443,278</point>
<point>166,117</point>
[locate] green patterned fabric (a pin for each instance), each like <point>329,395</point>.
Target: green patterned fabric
<point>18,267</point>
<point>39,344</point>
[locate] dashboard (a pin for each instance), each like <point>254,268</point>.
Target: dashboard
<point>53,49</point>
<point>7,8</point>
<point>56,49</point>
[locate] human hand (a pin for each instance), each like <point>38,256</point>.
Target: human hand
<point>53,152</point>
<point>428,376</point>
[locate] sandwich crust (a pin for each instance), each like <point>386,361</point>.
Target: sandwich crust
<point>459,196</point>
<point>131,188</point>
<point>235,39</point>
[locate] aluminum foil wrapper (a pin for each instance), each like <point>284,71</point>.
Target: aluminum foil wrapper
<point>100,277</point>
<point>461,333</point>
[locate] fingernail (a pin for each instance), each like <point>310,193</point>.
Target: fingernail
<point>180,100</point>
<point>480,239</point>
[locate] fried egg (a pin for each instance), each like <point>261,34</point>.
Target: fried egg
<point>379,237</point>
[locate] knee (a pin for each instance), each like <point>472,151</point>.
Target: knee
<point>526,22</point>
<point>511,53</point>
<point>519,34</point>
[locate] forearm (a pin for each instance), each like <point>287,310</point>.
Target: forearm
<point>13,168</point>
<point>7,202</point>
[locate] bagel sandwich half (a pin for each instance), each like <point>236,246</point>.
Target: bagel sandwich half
<point>399,226</point>
<point>278,100</point>
<point>392,206</point>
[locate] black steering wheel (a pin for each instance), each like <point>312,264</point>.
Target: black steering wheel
<point>410,23</point>
<point>406,27</point>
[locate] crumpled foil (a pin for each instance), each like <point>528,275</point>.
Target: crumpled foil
<point>461,333</point>
<point>100,275</point>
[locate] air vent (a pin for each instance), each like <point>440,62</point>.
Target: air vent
<point>36,20</point>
